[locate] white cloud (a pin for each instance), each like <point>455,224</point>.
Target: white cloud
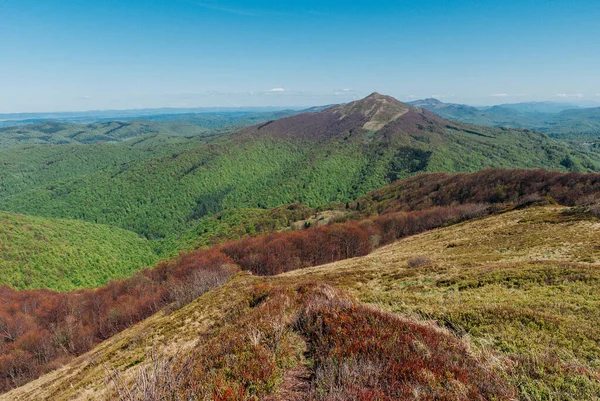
<point>441,96</point>
<point>577,95</point>
<point>343,91</point>
<point>276,90</point>
<point>508,94</point>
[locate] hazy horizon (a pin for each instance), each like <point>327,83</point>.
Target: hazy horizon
<point>178,110</point>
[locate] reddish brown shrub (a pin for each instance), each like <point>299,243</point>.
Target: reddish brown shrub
<point>364,354</point>
<point>357,353</point>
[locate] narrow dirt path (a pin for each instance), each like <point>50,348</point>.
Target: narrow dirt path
<point>296,381</point>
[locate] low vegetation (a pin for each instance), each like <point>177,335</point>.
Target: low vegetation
<point>518,314</point>
<point>343,350</point>
<point>521,284</point>
<point>361,353</point>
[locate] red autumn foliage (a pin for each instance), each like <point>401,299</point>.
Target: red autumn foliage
<point>357,353</point>
<point>361,353</point>
<point>285,251</point>
<point>42,328</point>
<point>486,186</point>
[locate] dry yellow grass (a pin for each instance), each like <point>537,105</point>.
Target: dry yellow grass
<point>523,284</point>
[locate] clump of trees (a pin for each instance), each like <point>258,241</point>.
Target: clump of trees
<point>494,186</point>
<point>280,252</point>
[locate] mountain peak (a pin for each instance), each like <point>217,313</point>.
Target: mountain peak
<point>378,109</point>
<point>375,95</point>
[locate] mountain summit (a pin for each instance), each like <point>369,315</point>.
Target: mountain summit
<point>378,109</point>
<point>369,115</point>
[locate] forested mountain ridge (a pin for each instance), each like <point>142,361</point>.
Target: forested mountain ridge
<point>555,121</point>
<point>337,154</point>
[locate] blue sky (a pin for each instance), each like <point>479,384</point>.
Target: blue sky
<point>58,55</point>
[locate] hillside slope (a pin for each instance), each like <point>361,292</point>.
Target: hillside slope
<point>523,284</point>
<point>516,288</point>
<point>416,193</point>
<point>337,154</point>
<point>37,252</point>
<point>42,166</point>
<point>64,255</point>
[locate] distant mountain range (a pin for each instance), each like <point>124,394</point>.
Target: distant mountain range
<point>556,119</point>
<point>63,130</point>
<point>85,117</point>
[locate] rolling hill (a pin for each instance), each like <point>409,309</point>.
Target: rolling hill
<point>128,126</point>
<point>37,252</point>
<point>57,133</point>
<point>336,154</point>
<point>63,255</point>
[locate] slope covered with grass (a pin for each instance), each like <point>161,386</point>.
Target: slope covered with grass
<point>509,299</point>
<point>37,252</point>
<point>523,284</point>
